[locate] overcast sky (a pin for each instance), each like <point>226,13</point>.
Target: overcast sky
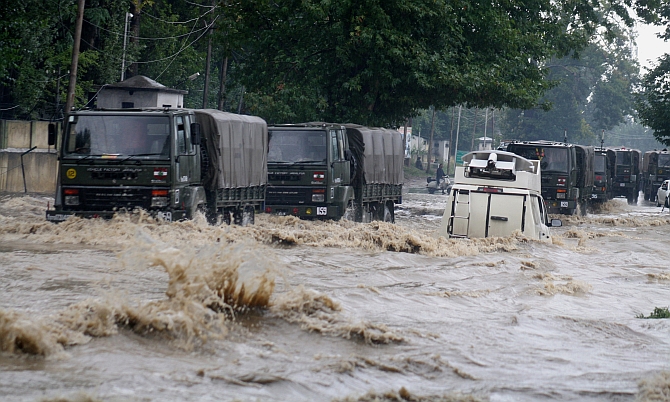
<point>649,47</point>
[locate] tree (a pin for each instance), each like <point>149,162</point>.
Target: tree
<point>377,62</point>
<point>653,102</point>
<point>593,93</point>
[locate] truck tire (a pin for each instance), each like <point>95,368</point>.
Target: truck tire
<point>389,212</point>
<point>248,216</point>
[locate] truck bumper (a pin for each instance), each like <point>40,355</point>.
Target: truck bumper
<point>306,211</point>
<point>555,206</point>
<point>55,215</point>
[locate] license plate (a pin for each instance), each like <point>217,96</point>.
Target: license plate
<point>322,211</point>
<point>622,184</point>
<point>564,204</point>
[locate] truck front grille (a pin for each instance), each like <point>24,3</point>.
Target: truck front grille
<point>286,195</point>
<point>113,198</point>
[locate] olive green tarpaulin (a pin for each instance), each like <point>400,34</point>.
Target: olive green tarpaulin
<point>380,151</point>
<point>237,147</point>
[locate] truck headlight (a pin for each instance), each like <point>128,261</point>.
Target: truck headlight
<point>318,197</point>
<point>71,200</point>
<point>159,201</point>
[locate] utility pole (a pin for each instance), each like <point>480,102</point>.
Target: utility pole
<point>75,58</point>
<point>125,40</point>
<point>430,144</point>
<point>222,84</point>
<point>458,129</point>
<point>451,140</point>
<point>205,92</point>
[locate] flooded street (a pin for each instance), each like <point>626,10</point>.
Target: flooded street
<point>286,310</point>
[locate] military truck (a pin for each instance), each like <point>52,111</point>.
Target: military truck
<point>627,174</point>
<point>655,169</point>
<point>604,162</point>
<point>168,162</point>
<point>567,173</point>
<point>330,171</point>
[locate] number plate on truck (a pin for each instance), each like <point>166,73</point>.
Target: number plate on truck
<point>321,211</point>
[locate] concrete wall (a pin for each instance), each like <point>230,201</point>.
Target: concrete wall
<point>39,165</point>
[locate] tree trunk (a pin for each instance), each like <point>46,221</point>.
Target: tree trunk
<point>430,144</point>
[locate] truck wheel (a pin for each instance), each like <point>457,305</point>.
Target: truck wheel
<point>389,215</point>
<point>248,216</point>
<point>226,215</point>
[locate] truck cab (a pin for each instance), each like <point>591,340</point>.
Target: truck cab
<point>627,174</point>
<point>120,160</point>
<point>567,173</point>
<point>309,172</point>
<point>603,175</point>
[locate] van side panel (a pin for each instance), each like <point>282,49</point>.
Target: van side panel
<point>506,214</point>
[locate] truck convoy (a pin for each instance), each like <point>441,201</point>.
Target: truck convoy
<point>627,174</point>
<point>496,193</point>
<point>330,171</point>
<point>169,162</point>
<point>655,169</point>
<point>567,173</point>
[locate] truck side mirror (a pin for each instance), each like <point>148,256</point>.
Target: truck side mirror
<point>196,138</point>
<point>52,134</point>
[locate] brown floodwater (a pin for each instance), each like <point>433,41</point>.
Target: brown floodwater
<point>133,309</point>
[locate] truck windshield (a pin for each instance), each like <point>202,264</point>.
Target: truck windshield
<point>599,164</point>
<point>307,146</point>
<point>623,158</point>
<point>663,160</point>
<point>552,159</point>
<point>97,135</point>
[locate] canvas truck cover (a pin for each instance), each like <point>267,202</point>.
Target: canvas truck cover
<point>237,148</point>
<point>585,154</point>
<point>379,152</point>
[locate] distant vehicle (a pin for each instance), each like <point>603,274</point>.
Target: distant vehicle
<point>655,169</point>
<point>627,175</point>
<point>328,171</point>
<point>662,194</point>
<point>432,186</point>
<point>567,173</point>
<point>169,162</point>
<point>603,175</point>
<point>496,193</point>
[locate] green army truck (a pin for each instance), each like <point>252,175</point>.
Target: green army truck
<point>655,169</point>
<point>168,162</point>
<point>604,163</point>
<point>566,170</point>
<point>627,175</point>
<point>330,171</point>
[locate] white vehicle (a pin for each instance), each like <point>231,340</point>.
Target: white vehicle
<point>494,194</point>
<point>662,194</point>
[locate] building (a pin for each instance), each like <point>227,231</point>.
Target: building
<point>138,92</point>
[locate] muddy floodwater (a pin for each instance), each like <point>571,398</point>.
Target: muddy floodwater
<point>287,310</point>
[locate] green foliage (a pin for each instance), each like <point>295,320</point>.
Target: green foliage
<point>593,93</point>
<point>659,312</point>
<point>379,62</point>
<point>653,101</point>
<point>374,62</point>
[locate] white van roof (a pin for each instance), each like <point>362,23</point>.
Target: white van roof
<point>500,169</point>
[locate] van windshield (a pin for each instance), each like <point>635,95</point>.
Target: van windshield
<point>303,146</point>
<point>146,136</point>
